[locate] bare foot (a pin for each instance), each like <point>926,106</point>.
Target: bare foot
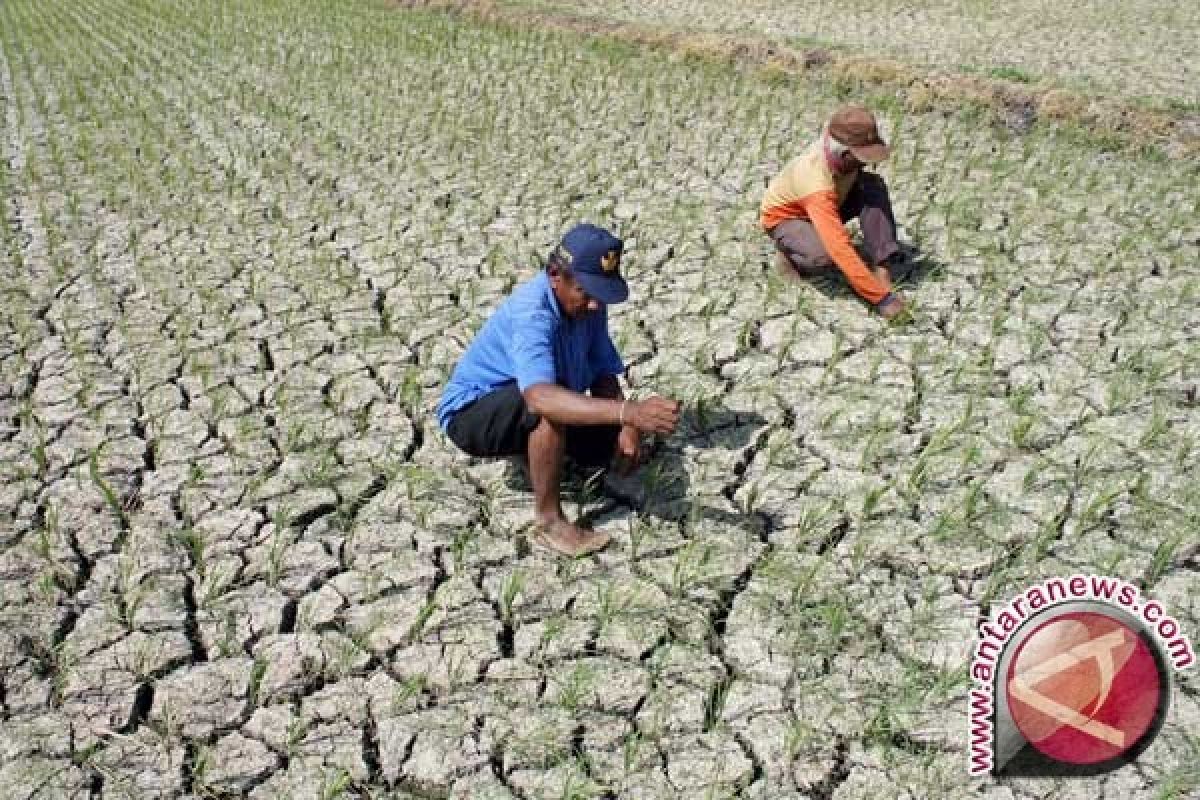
<point>783,265</point>
<point>555,533</point>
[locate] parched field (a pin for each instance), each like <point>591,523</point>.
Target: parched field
<point>243,244</point>
<point>1129,48</point>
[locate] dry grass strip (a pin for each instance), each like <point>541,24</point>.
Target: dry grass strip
<point>1108,122</point>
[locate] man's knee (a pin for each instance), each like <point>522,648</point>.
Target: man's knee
<point>497,424</point>
<point>813,261</point>
<point>804,263</point>
<point>797,241</point>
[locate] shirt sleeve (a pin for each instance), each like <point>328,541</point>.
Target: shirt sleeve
<point>532,349</point>
<point>822,211</point>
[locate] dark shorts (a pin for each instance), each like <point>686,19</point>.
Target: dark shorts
<point>499,424</point>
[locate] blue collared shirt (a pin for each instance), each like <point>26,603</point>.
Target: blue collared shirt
<point>529,340</point>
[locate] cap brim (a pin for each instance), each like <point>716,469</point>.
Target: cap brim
<point>607,289</point>
<point>871,153</point>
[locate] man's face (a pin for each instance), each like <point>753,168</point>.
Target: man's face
<point>850,162</point>
<point>847,163</point>
<point>573,300</point>
<point>844,164</point>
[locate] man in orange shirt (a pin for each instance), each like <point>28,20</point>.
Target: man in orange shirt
<point>807,205</point>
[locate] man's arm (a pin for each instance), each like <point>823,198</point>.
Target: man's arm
<point>565,407</point>
<point>629,440</point>
<point>822,211</point>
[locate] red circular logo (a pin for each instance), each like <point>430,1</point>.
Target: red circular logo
<point>1084,688</point>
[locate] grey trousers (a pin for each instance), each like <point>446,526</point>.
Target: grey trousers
<point>869,201</point>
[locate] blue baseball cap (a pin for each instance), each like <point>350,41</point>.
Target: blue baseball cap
<point>593,255</point>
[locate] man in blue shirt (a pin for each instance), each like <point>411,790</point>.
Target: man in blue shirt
<point>540,379</point>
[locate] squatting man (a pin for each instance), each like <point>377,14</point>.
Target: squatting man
<point>540,379</point>
<point>806,206</point>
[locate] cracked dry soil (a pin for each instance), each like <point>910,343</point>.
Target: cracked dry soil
<point>244,245</point>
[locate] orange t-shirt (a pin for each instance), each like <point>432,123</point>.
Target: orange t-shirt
<point>808,189</point>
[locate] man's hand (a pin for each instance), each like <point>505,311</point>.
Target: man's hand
<point>629,450</point>
<point>893,308</point>
<point>653,415</point>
